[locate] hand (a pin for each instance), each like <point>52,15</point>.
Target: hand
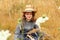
<point>32,31</point>
<point>30,37</point>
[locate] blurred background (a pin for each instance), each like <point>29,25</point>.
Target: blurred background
<point>11,10</point>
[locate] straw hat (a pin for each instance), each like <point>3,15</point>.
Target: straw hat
<point>29,8</point>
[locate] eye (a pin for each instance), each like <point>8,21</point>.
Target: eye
<point>28,13</point>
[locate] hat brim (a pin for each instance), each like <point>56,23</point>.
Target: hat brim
<point>29,11</point>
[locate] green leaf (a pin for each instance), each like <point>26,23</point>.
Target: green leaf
<point>19,20</point>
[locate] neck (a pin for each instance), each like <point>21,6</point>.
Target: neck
<point>27,20</point>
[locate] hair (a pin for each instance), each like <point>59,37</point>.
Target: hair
<point>33,17</point>
<point>24,18</point>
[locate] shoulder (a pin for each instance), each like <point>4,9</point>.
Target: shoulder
<point>35,25</point>
<point>19,25</point>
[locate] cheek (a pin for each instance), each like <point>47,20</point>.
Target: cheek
<point>31,16</point>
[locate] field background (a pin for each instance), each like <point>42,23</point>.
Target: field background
<point>11,10</point>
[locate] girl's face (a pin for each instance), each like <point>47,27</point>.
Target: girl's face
<point>28,15</point>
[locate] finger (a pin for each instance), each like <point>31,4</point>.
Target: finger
<point>30,37</point>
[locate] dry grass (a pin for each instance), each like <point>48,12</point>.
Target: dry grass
<point>11,10</point>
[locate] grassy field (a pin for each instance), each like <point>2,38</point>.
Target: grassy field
<point>11,10</point>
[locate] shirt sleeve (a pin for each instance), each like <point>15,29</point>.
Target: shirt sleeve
<point>37,27</point>
<point>18,32</point>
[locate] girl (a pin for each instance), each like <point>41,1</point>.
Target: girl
<point>27,29</point>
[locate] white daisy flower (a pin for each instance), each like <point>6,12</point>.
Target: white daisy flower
<point>4,34</point>
<point>41,20</point>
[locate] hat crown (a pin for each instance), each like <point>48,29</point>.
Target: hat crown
<point>29,8</point>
